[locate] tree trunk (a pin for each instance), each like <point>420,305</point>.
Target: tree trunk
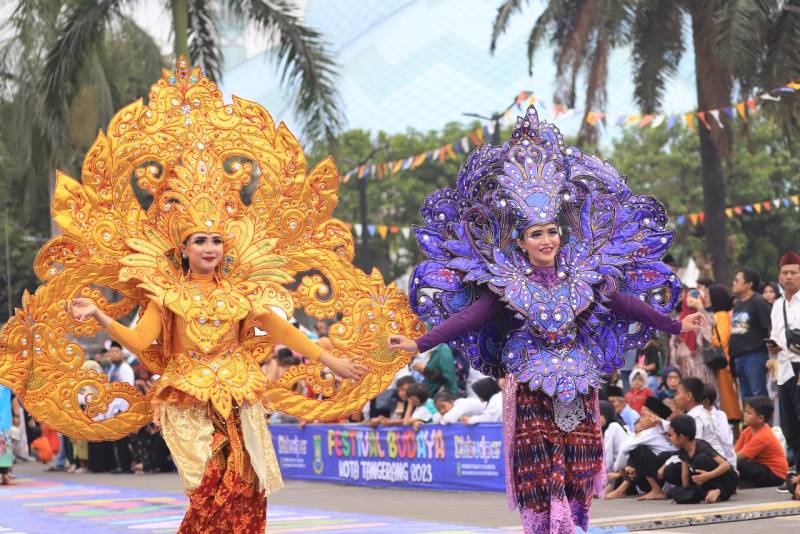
<point>180,23</point>
<point>714,88</point>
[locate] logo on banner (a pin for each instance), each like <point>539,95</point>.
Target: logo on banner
<point>317,465</point>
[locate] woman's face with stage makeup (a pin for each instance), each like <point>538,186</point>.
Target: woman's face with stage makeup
<point>204,252</point>
<point>541,243</point>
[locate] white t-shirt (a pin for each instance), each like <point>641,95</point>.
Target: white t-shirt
<point>715,431</point>
<point>461,407</point>
<point>613,437</point>
<point>121,373</point>
<point>493,413</point>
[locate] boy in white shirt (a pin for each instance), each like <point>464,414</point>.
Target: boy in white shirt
<point>417,413</point>
<point>450,409</point>
<point>489,391</point>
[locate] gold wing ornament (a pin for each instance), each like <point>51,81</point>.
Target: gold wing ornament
<point>183,162</point>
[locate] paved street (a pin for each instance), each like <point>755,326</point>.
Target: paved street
<point>102,504</point>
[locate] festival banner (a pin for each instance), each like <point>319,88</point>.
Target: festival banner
<point>438,457</point>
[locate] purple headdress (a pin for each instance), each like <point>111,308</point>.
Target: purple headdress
<point>569,339</point>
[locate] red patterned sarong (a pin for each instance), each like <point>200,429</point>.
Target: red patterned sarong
<point>228,500</point>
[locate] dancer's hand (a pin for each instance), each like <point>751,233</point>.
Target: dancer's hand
<point>403,343</point>
<point>693,322</point>
<point>82,308</point>
<point>343,368</point>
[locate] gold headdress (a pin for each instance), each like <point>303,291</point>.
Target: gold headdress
<point>187,162</point>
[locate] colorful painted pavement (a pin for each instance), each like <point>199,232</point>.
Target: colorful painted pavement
<point>45,507</point>
<point>36,506</point>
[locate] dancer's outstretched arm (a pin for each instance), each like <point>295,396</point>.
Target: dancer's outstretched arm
<point>478,313</point>
<point>135,339</point>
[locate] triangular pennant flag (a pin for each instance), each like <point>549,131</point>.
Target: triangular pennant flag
<point>680,219</point>
<point>748,208</point>
<point>757,207</point>
<point>406,231</point>
<point>702,217</point>
<point>767,205</point>
<point>751,103</point>
<point>394,229</point>
<point>383,231</point>
<point>795,199</point>
<point>349,226</point>
<point>371,229</point>
<point>559,110</point>
<point>693,218</point>
<point>620,120</point>
<point>793,85</point>
<point>646,119</point>
<point>633,119</point>
<point>767,96</point>
<point>396,166</point>
<point>465,144</point>
<point>715,114</point>
<point>671,121</point>
<point>729,212</point>
<point>738,210</point>
<point>787,202</point>
<point>776,202</point>
<point>658,121</point>
<point>450,152</point>
<point>590,118</point>
<point>689,118</point>
<point>702,116</point>
<point>740,109</point>
<point>729,111</point>
<point>357,229</point>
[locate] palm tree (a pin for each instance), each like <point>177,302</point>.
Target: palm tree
<point>743,44</point>
<point>306,69</point>
<point>583,32</point>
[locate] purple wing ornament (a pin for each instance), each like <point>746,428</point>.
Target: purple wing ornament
<point>558,333</point>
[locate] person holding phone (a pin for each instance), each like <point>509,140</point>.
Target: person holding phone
<point>785,325</point>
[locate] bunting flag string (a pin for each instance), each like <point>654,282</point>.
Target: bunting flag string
<point>756,208</point>
<point>707,119</point>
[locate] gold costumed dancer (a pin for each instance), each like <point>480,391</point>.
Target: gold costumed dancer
<point>200,213</point>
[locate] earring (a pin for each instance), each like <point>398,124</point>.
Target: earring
<point>184,256</point>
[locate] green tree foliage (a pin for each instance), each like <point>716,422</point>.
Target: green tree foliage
<point>118,73</point>
<point>666,163</point>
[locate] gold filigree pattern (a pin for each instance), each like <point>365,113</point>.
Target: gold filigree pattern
<point>201,165</point>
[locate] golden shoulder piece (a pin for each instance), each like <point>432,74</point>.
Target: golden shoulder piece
<point>188,162</point>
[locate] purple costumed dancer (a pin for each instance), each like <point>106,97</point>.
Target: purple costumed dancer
<point>544,269</point>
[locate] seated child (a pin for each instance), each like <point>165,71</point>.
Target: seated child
<point>449,409</point>
<point>670,379</point>
<point>628,415</point>
<point>705,475</point>
<point>761,459</point>
<point>642,454</point>
<point>416,412</point>
<point>639,391</point>
<point>488,391</point>
<point>613,433</point>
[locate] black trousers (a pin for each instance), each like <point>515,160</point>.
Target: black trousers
<point>789,395</point>
<point>122,453</point>
<point>101,456</point>
<point>757,475</point>
<point>647,463</point>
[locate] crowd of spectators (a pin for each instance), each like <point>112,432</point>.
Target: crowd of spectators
<point>693,417</point>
